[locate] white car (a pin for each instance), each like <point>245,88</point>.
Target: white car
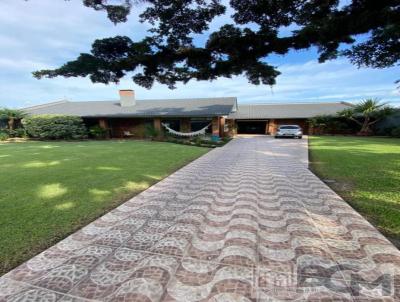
<point>294,131</point>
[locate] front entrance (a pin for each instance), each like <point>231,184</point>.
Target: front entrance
<point>251,127</point>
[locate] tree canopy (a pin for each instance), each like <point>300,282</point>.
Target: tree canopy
<point>367,32</point>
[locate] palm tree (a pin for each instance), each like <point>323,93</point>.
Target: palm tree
<point>11,115</point>
<point>367,113</point>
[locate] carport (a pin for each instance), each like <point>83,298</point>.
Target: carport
<point>266,118</point>
<point>252,126</point>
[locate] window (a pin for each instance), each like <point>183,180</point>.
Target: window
<point>294,127</point>
<point>197,124</point>
<point>173,124</point>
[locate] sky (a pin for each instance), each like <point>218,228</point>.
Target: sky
<point>44,34</point>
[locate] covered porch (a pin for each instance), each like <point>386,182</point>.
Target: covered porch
<point>137,127</point>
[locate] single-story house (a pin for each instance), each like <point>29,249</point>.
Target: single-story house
<point>130,117</point>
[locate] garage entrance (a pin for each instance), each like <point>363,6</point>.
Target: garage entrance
<point>251,127</point>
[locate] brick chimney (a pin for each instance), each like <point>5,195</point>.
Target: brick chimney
<point>127,97</point>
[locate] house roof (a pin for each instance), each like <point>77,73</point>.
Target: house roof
<point>197,107</point>
<point>294,110</point>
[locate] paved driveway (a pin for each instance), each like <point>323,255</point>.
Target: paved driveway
<point>246,222</point>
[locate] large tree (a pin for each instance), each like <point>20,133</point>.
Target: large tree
<point>367,113</point>
<point>365,31</point>
<point>11,115</point>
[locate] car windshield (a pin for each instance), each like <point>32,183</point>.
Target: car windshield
<point>289,127</point>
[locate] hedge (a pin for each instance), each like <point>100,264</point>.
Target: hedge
<point>55,127</point>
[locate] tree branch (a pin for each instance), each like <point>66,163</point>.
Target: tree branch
<point>169,53</point>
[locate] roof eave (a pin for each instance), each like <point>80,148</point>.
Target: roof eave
<point>153,116</point>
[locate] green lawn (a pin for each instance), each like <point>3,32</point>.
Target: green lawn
<point>51,189</point>
<point>367,174</point>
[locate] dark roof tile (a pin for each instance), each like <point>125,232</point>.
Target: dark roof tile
<point>299,110</point>
<point>203,107</point>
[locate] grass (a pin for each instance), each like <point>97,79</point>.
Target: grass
<point>51,189</point>
<point>367,175</point>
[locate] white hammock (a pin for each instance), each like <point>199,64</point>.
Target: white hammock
<point>186,134</point>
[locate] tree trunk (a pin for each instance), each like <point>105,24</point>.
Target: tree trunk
<point>11,123</point>
<point>365,130</point>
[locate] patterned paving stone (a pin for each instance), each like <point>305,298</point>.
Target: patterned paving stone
<point>128,275</point>
<point>58,267</point>
<point>246,222</point>
<point>11,290</point>
<point>68,298</point>
<point>197,280</point>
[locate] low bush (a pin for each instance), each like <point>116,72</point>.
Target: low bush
<point>19,132</point>
<point>384,131</point>
<point>199,141</point>
<point>3,135</point>
<point>151,132</point>
<point>55,127</point>
<point>226,139</point>
<point>396,132</point>
<point>98,132</point>
<point>330,124</point>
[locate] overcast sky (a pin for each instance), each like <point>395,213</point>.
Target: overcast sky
<point>38,34</point>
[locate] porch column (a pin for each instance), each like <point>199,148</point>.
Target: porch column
<point>185,125</point>
<point>231,127</point>
<point>222,126</point>
<point>157,125</point>
<point>272,126</point>
<point>215,125</point>
<point>103,123</point>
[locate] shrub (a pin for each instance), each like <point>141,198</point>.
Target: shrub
<point>385,131</point>
<point>3,135</point>
<point>396,132</point>
<point>198,140</point>
<point>98,132</point>
<point>151,132</point>
<point>329,124</point>
<point>55,127</point>
<point>19,132</point>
